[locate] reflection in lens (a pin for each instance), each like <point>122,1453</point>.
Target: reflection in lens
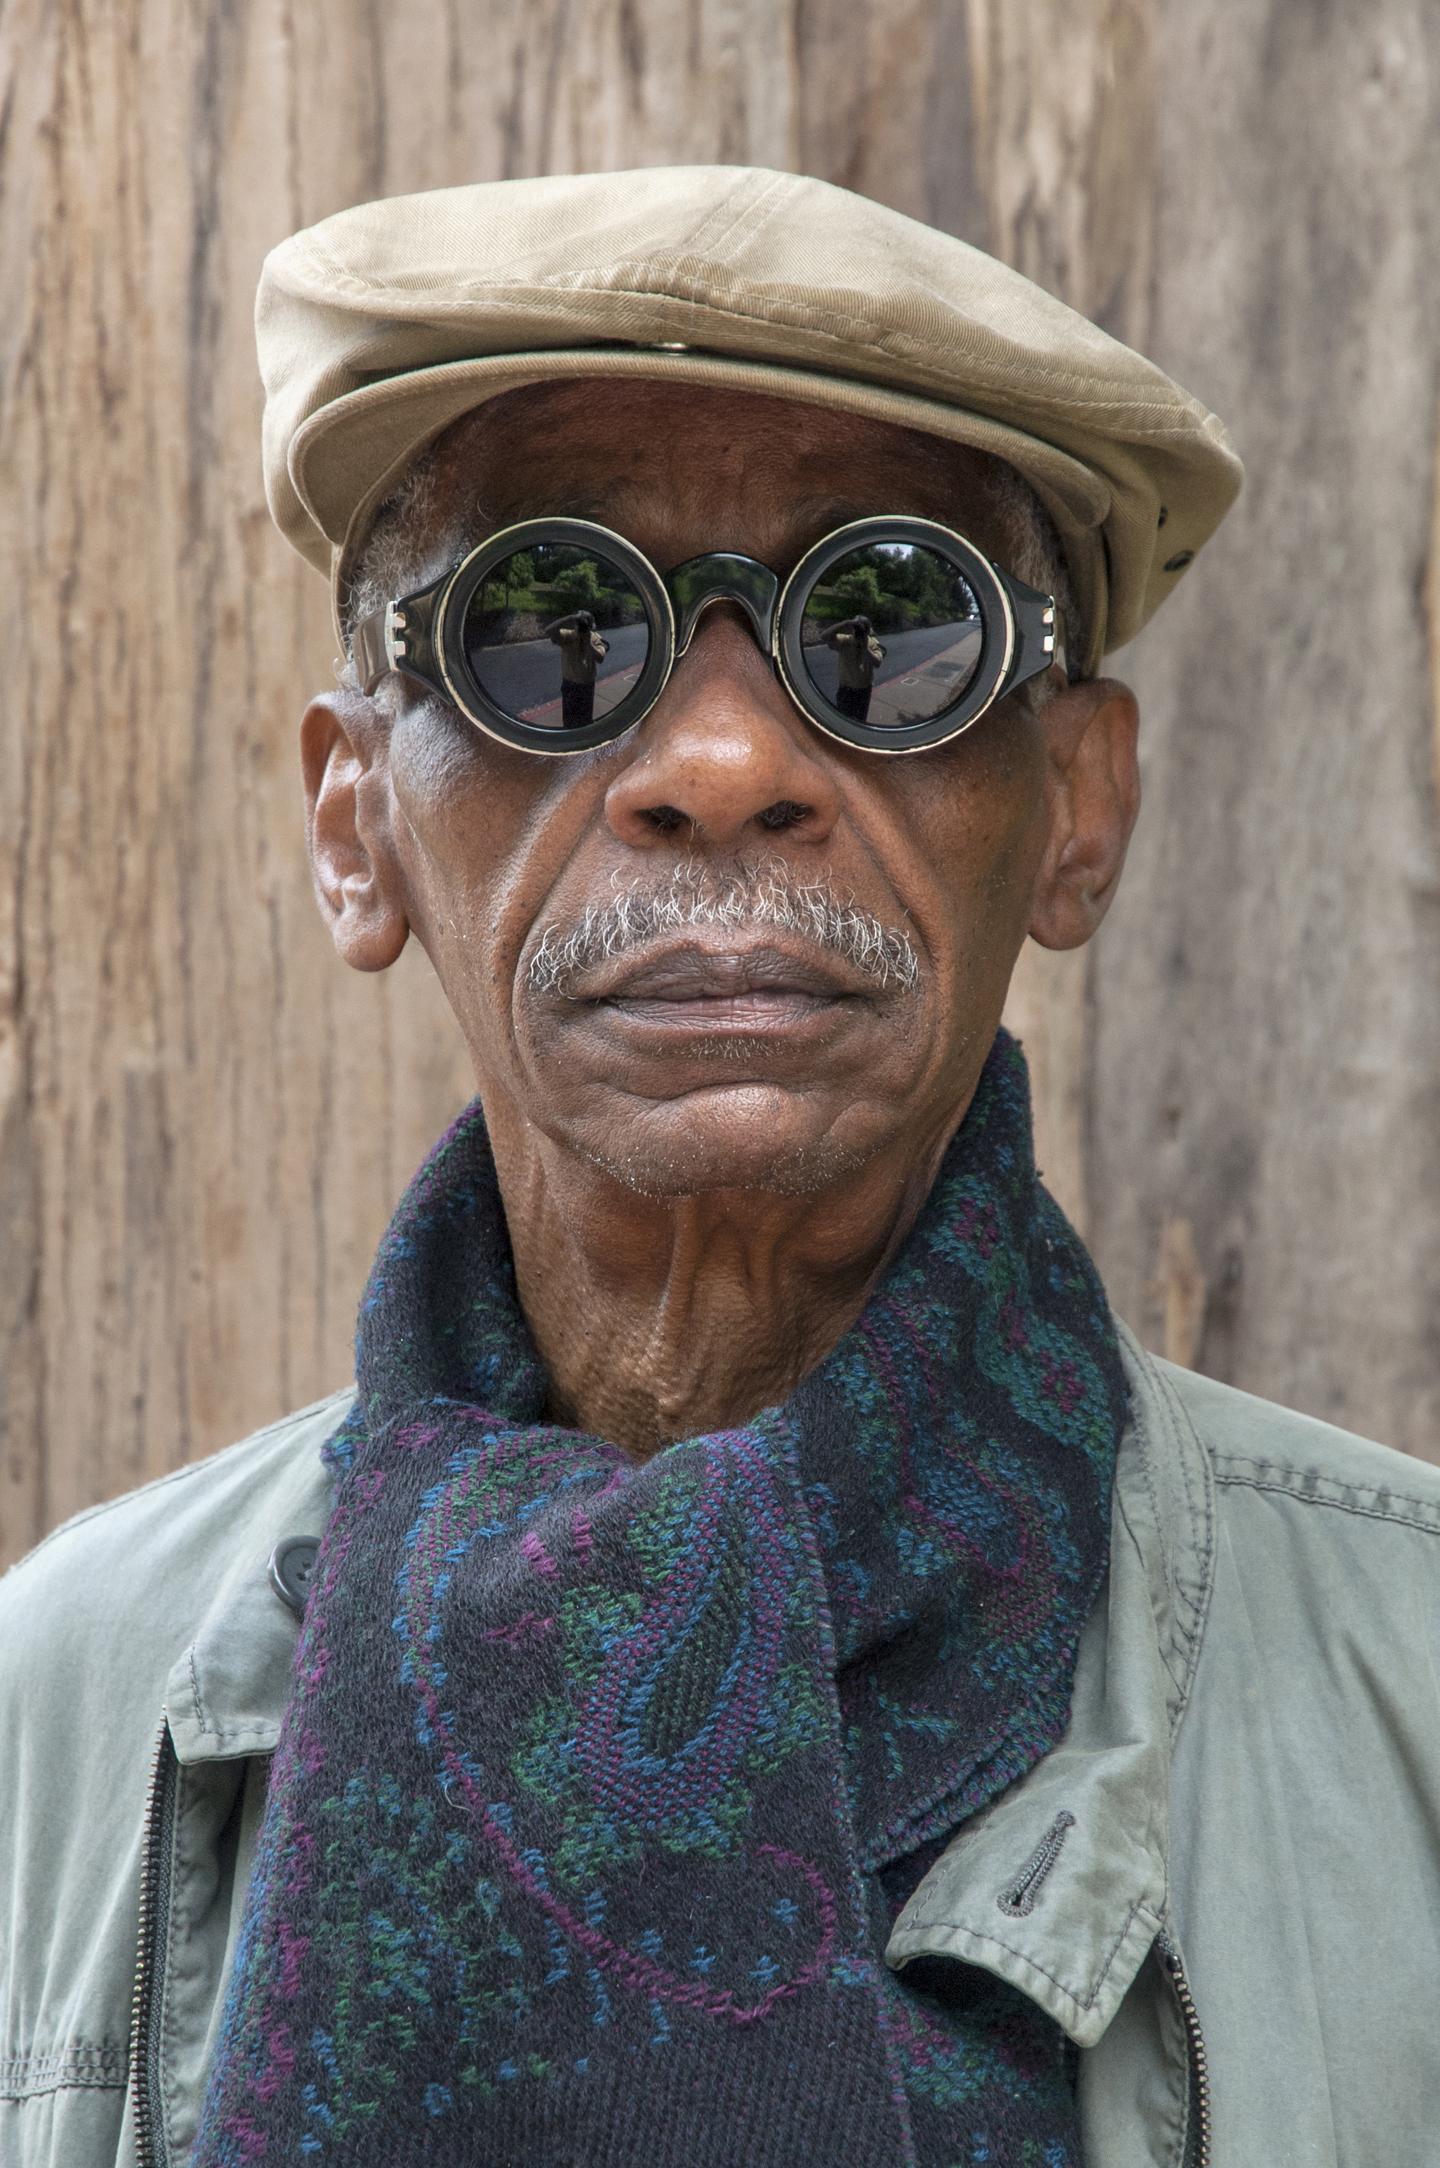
<point>556,635</point>
<point>892,634</point>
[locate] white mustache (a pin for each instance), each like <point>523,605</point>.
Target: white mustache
<point>747,897</point>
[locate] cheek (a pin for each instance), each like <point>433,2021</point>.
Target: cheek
<point>482,835</point>
<point>975,824</point>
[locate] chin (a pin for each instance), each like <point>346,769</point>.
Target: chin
<point>691,1150</point>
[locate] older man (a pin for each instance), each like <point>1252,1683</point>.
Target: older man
<point>751,1598</point>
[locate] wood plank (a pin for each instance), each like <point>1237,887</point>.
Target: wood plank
<point>1266,1050</point>
<point>205,1121</point>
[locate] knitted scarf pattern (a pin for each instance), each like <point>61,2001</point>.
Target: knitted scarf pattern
<point>601,1783</point>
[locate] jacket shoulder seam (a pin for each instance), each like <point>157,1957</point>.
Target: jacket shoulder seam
<point>176,1475</point>
<point>1187,1633</point>
<point>1168,1655</point>
<point>1235,1472</point>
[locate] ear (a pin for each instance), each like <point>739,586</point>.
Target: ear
<point>1093,789</point>
<point>343,757</point>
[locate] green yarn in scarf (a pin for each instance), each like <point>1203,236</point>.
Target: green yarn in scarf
<point>601,1784</point>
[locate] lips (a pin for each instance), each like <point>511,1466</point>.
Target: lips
<point>694,975</point>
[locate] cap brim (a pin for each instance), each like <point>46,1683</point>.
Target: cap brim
<point>351,454</point>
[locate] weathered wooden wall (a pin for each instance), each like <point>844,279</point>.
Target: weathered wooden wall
<point>204,1120</point>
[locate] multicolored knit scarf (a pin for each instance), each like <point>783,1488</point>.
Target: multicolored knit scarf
<point>601,1783</point>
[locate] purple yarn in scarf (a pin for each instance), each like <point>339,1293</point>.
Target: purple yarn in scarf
<point>601,1784</point>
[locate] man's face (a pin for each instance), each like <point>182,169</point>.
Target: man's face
<point>717,1056</point>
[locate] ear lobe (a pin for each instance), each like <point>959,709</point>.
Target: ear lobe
<point>347,830</point>
<point>1094,798</point>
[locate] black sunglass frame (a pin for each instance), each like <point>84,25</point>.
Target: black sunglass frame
<point>422,634</point>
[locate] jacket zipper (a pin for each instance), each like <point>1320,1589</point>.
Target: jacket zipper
<point>156,1851</point>
<point>156,1859</point>
<point>1197,2127</point>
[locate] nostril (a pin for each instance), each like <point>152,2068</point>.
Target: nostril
<point>784,813</point>
<point>665,819</point>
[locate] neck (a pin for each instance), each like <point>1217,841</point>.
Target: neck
<point>660,1318</point>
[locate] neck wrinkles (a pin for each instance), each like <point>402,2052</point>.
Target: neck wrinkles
<point>659,1319</point>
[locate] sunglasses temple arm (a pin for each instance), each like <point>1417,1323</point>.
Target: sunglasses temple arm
<point>368,651</point>
<point>396,637</point>
<point>1038,642</point>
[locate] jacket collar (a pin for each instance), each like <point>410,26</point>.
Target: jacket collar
<point>227,1691</point>
<point>1059,1886</point>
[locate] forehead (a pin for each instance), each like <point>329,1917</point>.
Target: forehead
<point>665,462</point>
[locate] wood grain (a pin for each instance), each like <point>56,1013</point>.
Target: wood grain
<point>205,1121</point>
<point>1265,1052</point>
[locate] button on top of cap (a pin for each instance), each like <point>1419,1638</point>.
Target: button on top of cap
<point>292,1567</point>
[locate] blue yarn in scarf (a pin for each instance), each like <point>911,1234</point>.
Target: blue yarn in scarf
<point>601,1783</point>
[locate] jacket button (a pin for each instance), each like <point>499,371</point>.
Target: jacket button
<point>292,1565</point>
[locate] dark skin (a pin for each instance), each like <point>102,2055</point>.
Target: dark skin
<point>702,1183</point>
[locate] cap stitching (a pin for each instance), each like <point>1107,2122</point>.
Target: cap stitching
<point>991,379</point>
<point>691,246</point>
<point>758,216</point>
<point>1166,393</point>
<point>1180,428</point>
<point>743,191</point>
<point>308,243</point>
<point>751,201</point>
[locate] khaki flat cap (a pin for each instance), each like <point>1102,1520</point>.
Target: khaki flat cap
<point>380,326</point>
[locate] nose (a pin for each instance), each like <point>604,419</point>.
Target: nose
<point>724,757</point>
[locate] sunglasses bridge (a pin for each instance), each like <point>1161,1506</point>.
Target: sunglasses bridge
<point>722,576</point>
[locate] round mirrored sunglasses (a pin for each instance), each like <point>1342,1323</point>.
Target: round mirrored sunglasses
<point>555,635</point>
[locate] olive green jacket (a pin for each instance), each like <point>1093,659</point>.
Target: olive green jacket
<point>1251,1777</point>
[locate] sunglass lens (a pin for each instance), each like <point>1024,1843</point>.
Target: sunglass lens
<point>556,635</point>
<point>892,634</point>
